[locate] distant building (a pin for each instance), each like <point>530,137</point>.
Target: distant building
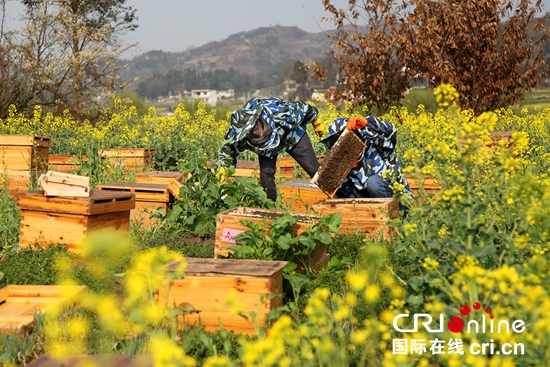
<point>225,94</point>
<point>209,96</point>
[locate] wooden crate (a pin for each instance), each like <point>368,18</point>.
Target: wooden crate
<point>300,195</point>
<point>158,177</point>
<point>65,163</point>
<point>364,215</point>
<point>107,360</point>
<point>228,226</point>
<point>19,303</point>
<point>70,220</point>
<point>429,184</point>
<point>285,168</point>
<point>209,282</point>
<point>16,181</point>
<point>247,169</point>
<point>24,152</point>
<point>130,158</point>
<point>149,197</point>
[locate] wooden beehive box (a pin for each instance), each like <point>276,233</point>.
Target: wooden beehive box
<point>24,152</point>
<point>363,215</point>
<point>209,284</point>
<point>15,180</point>
<point>131,158</point>
<point>158,177</point>
<point>288,168</point>
<point>70,220</point>
<point>228,226</point>
<point>19,303</point>
<point>107,360</point>
<point>247,169</point>
<point>65,163</point>
<point>429,184</point>
<point>300,195</point>
<point>149,197</point>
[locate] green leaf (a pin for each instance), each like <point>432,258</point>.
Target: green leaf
<point>415,300</point>
<point>416,283</point>
<point>324,237</point>
<point>400,247</point>
<point>484,251</point>
<point>174,213</point>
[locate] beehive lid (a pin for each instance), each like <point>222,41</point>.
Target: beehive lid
<point>229,267</point>
<point>127,152</point>
<point>301,184</point>
<point>158,176</point>
<point>66,159</point>
<point>99,202</point>
<point>19,303</point>
<point>142,191</point>
<point>240,211</point>
<point>247,164</point>
<point>25,140</point>
<point>357,201</point>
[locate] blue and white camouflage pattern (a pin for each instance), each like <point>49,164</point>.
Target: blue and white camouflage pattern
<point>287,119</point>
<point>378,157</point>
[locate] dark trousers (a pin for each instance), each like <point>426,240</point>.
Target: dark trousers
<point>302,152</point>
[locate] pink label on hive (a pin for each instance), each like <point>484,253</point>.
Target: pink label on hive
<point>228,235</point>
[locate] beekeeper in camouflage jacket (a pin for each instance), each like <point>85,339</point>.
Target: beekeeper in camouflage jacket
<point>377,167</point>
<point>269,127</point>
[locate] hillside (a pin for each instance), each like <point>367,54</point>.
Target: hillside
<point>249,53</point>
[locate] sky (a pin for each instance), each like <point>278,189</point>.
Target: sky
<point>178,25</point>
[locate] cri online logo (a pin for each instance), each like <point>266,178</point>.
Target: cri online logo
<point>456,324</point>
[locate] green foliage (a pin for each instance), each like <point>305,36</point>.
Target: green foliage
<point>278,240</point>
<point>188,245</point>
<point>9,220</point>
<point>30,266</point>
<point>20,348</point>
<point>202,344</point>
<point>203,197</point>
<point>129,98</point>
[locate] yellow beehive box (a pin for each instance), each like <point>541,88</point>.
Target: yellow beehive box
<point>131,158</point>
<point>363,215</point>
<point>24,152</point>
<point>300,195</point>
<point>70,220</point>
<point>217,286</point>
<point>65,163</point>
<point>149,197</point>
<point>158,177</point>
<point>19,303</point>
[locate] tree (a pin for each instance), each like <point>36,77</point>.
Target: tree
<point>69,48</point>
<point>481,47</point>
<point>366,46</point>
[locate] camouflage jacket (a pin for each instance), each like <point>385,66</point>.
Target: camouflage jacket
<point>288,121</point>
<point>378,158</point>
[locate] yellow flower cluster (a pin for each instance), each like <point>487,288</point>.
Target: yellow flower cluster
<point>446,95</point>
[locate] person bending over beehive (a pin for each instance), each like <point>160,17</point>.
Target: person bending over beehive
<point>269,127</point>
<point>377,170</point>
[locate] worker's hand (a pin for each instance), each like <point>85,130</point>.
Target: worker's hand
<point>355,123</point>
<point>318,127</point>
<point>221,174</point>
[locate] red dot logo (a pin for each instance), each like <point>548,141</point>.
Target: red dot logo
<point>465,310</point>
<point>455,324</point>
<point>477,305</point>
